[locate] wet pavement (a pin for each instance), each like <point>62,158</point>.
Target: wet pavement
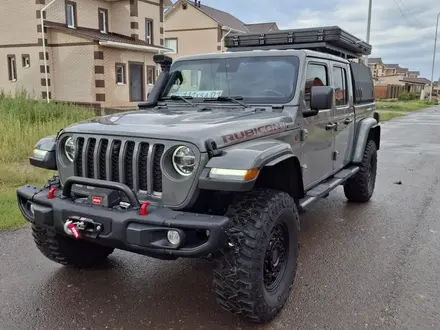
<point>361,266</point>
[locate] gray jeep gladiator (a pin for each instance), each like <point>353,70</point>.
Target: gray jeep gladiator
<point>218,163</point>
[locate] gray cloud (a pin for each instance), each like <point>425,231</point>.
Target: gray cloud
<point>397,39</point>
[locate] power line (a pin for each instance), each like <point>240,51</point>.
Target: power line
<point>418,22</point>
<point>406,18</point>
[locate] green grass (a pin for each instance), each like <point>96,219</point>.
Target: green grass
<point>23,121</point>
<point>384,116</point>
<point>404,106</point>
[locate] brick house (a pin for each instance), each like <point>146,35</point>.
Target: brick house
<point>192,28</point>
<point>98,52</point>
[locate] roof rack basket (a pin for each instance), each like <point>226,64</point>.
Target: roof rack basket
<point>330,39</point>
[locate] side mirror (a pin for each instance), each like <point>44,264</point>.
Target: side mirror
<point>321,97</point>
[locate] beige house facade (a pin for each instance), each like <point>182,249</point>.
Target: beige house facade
<point>97,52</point>
<point>194,28</point>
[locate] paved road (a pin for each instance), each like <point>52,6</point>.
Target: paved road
<point>368,266</point>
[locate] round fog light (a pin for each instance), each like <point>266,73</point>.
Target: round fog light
<point>173,237</point>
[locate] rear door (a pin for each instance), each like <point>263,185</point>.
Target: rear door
<point>343,114</point>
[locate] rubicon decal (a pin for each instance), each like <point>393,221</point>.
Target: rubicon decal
<point>253,133</point>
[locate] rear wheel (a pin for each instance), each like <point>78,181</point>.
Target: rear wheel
<point>360,187</point>
<point>68,251</point>
<point>254,274</point>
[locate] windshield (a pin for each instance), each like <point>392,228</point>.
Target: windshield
<point>268,79</point>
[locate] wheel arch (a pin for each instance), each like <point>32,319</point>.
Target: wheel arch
<point>368,129</point>
<point>273,158</point>
<point>284,174</point>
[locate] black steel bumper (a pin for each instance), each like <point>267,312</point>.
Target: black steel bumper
<point>125,229</point>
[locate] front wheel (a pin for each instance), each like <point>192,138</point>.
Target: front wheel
<point>360,187</point>
<point>254,274</point>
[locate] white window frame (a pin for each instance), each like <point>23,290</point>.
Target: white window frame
<point>175,48</point>
<point>12,66</point>
<point>72,15</point>
<point>104,21</point>
<point>27,61</point>
<point>149,28</point>
<point>120,65</point>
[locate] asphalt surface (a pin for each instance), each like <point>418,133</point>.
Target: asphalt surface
<point>375,265</point>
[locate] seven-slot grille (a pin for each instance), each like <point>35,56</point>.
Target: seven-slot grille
<point>137,164</point>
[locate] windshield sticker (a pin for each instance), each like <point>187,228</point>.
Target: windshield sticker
<point>200,94</point>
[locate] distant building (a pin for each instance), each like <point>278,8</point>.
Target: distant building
<point>192,28</point>
<point>98,52</point>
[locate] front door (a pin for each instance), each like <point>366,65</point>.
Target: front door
<point>317,144</point>
<point>136,76</point>
<point>344,115</point>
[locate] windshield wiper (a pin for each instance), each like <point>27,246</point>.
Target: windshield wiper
<point>228,98</point>
<point>179,97</point>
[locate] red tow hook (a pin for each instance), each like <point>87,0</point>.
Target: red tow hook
<point>51,194</point>
<point>143,211</point>
<point>73,230</point>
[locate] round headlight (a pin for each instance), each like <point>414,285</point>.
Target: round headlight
<point>184,161</point>
<point>69,149</point>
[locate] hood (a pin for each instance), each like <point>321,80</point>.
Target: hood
<point>223,125</point>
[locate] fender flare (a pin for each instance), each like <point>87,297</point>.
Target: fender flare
<point>252,154</point>
<point>365,127</point>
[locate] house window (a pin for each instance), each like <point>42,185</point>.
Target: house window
<point>120,74</point>
<point>71,14</point>
<point>151,75</point>
<point>171,43</point>
<point>103,20</point>
<point>26,61</point>
<point>340,85</point>
<point>149,31</point>
<point>12,68</point>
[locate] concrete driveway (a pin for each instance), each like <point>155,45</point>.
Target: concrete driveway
<point>361,266</point>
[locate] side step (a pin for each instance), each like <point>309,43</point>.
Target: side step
<point>324,188</point>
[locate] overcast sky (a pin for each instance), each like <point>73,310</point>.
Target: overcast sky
<point>406,39</point>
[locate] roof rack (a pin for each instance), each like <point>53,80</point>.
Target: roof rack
<point>330,39</point>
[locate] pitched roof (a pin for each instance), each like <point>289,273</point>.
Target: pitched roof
<point>261,27</point>
<point>223,18</point>
<point>96,35</point>
<point>423,81</point>
<point>375,60</point>
<point>391,66</point>
<point>401,70</point>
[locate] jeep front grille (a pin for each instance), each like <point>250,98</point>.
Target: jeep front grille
<point>137,164</point>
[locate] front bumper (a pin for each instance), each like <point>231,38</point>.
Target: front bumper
<point>200,234</point>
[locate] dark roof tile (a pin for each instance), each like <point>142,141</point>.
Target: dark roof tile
<point>98,36</point>
<point>261,27</point>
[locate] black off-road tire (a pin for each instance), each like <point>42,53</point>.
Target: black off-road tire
<point>240,268</point>
<point>360,187</point>
<point>68,251</point>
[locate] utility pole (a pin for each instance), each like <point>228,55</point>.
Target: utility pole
<point>433,57</point>
<point>370,3</point>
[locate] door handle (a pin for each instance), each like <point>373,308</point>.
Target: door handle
<point>330,126</point>
<point>347,120</point>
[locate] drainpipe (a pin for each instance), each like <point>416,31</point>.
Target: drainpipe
<point>44,48</point>
<point>222,40</point>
